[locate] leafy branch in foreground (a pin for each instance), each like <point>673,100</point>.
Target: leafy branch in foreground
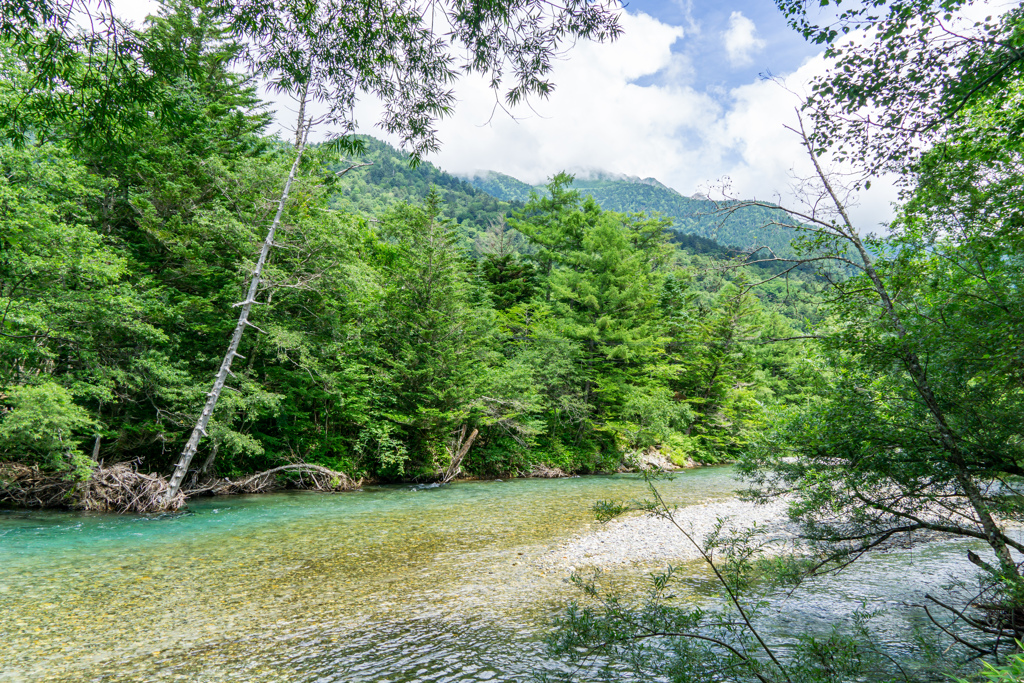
<point>671,634</point>
<point>886,100</point>
<point>915,429</point>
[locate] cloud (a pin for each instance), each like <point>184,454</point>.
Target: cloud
<point>768,159</point>
<point>600,117</point>
<point>136,11</point>
<point>688,14</point>
<point>741,41</point>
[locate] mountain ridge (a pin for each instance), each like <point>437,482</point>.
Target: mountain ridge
<point>744,228</point>
<point>477,200</point>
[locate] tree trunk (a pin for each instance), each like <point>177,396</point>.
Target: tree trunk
<point>196,474</point>
<point>458,456</point>
<point>243,320</point>
<point>912,362</point>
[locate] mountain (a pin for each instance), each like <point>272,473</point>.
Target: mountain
<point>390,178</point>
<point>477,201</point>
<point>503,186</point>
<point>742,228</point>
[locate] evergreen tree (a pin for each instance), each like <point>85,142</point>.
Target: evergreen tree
<point>430,336</point>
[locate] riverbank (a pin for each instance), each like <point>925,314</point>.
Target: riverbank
<point>645,539</point>
<point>121,488</point>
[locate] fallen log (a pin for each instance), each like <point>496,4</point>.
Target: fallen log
<point>309,477</point>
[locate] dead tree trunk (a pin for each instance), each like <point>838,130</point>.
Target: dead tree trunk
<point>243,321</point>
<point>207,464</point>
<point>459,450</point>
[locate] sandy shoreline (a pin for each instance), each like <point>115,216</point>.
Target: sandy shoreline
<point>646,539</point>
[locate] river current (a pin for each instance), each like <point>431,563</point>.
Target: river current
<point>387,584</point>
<point>399,583</point>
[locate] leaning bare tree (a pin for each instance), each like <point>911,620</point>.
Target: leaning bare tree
<point>220,380</point>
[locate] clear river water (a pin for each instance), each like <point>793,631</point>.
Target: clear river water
<point>387,584</point>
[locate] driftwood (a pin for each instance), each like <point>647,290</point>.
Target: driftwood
<point>301,475</point>
<point>542,471</point>
<point>458,449</point>
<point>121,488</point>
<point>647,461</point>
<point>117,488</point>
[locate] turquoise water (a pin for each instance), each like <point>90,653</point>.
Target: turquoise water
<point>386,584</point>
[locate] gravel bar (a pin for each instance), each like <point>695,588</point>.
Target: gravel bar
<point>646,539</point>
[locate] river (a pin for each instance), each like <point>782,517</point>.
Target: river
<point>387,584</point>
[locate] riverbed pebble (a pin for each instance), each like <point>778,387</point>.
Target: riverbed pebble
<point>647,539</point>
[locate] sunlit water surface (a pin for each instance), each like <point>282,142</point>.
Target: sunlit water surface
<point>387,584</point>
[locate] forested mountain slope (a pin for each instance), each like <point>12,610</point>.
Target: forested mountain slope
<point>389,178</point>
<point>383,177</point>
<point>743,228</point>
<point>477,201</point>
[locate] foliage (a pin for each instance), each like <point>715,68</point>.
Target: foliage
<point>1011,672</point>
<point>914,426</point>
<point>510,279</point>
<point>391,178</point>
<point>502,186</point>
<point>44,425</point>
<point>885,100</point>
<point>328,50</point>
<point>430,337</point>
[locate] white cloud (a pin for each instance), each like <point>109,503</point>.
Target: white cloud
<point>689,16</point>
<point>741,41</point>
<point>769,158</point>
<point>599,117</point>
<point>136,11</point>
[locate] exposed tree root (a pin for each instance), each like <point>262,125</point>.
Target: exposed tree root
<point>121,488</point>
<point>300,475</point>
<point>117,488</point>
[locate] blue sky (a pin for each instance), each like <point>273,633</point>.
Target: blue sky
<point>777,48</point>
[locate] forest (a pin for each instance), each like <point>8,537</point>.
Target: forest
<point>400,310</point>
<point>192,304</point>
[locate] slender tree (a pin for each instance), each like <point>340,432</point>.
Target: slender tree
<point>915,430</point>
<point>219,382</point>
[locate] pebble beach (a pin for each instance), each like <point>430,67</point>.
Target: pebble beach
<point>644,539</point>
